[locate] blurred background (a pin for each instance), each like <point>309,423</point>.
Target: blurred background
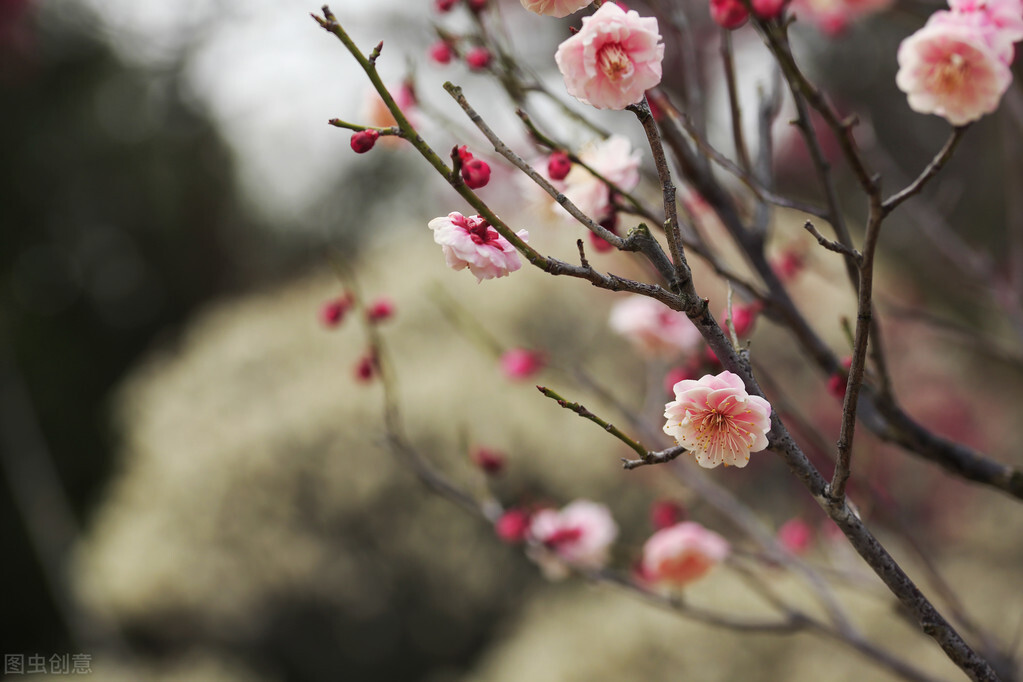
<point>196,485</point>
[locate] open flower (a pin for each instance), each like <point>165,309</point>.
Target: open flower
<point>578,535</point>
<point>471,242</point>
<point>679,554</point>
<point>555,8</point>
<point>653,327</point>
<point>949,69</point>
<point>613,59</point>
<point>717,420</point>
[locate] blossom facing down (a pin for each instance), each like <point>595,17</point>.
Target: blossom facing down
<point>614,159</point>
<point>653,327</point>
<point>947,68</point>
<point>579,535</point>
<point>679,554</point>
<point>471,242</point>
<point>555,8</point>
<point>613,59</point>
<point>717,420</point>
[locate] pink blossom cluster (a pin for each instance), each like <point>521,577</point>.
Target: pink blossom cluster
<point>717,420</point>
<point>957,65</point>
<point>682,553</point>
<point>653,327</point>
<point>578,535</point>
<point>613,59</point>
<point>471,242</point>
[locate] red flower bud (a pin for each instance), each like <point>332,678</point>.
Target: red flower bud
<point>513,526</point>
<point>478,58</point>
<point>768,9</point>
<point>664,513</point>
<point>728,14</point>
<point>366,368</point>
<point>839,381</point>
<point>333,312</point>
<point>490,461</point>
<point>444,5</point>
<point>441,52</point>
<point>519,363</point>
<point>476,173</point>
<point>558,166</point>
<point>380,309</point>
<point>364,140</point>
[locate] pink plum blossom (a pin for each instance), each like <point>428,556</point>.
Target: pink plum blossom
<point>795,535</point>
<point>613,59</point>
<point>947,68</point>
<point>653,327</point>
<point>833,16</point>
<point>679,554</point>
<point>555,8</point>
<point>579,535</point>
<point>717,420</point>
<point>1002,20</point>
<point>614,159</point>
<point>471,242</point>
<point>520,363</point>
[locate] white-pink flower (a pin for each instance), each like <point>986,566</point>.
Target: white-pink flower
<point>613,59</point>
<point>614,159</point>
<point>949,69</point>
<point>679,554</point>
<point>717,420</point>
<point>555,8</point>
<point>579,535</point>
<point>653,327</point>
<point>471,242</point>
<point>1002,19</point>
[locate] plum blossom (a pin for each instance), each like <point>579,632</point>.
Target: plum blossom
<point>717,420</point>
<point>832,17</point>
<point>653,327</point>
<point>579,535</point>
<point>555,8</point>
<point>679,554</point>
<point>950,69</point>
<point>614,159</point>
<point>613,59</point>
<point>471,242</point>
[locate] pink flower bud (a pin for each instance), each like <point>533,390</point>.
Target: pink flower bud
<point>599,244</point>
<point>441,52</point>
<point>333,312</point>
<point>490,461</point>
<point>464,154</point>
<point>476,173</point>
<point>364,140</point>
<point>795,535</point>
<point>519,363</point>
<point>366,368</point>
<point>444,5</point>
<point>513,526</point>
<point>768,9</point>
<point>839,381</point>
<point>743,317</point>
<point>676,375</point>
<point>558,166</point>
<point>788,265</point>
<point>380,310</point>
<point>478,58</point>
<point>664,513</point>
<point>728,14</point>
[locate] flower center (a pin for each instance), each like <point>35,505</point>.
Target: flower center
<point>949,76</point>
<point>563,536</point>
<point>614,61</point>
<point>478,229</point>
